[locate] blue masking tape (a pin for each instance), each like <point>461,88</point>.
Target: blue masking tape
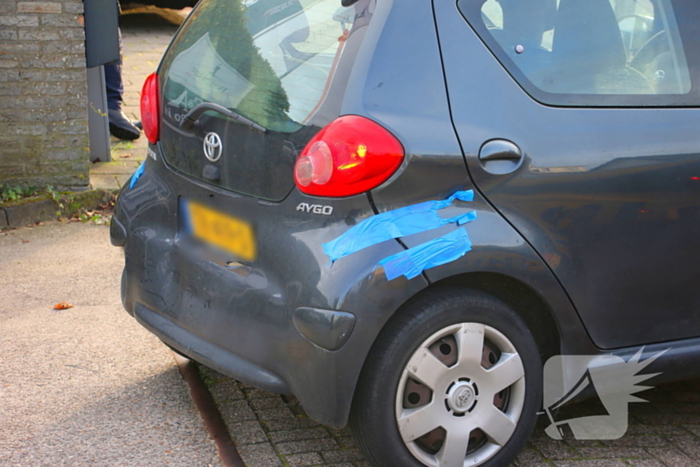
<point>414,261</point>
<point>135,177</point>
<point>396,224</point>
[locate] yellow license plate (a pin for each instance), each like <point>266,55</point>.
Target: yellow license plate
<point>222,230</point>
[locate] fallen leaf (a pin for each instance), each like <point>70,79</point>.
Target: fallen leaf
<point>62,306</point>
<point>125,155</point>
<point>25,241</point>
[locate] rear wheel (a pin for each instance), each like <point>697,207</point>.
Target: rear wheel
<point>453,380</point>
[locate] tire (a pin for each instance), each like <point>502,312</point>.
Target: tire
<point>453,380</point>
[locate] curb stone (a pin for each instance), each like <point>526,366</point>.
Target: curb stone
<point>30,213</point>
<point>44,208</point>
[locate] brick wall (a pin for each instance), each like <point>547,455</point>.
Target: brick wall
<point>43,94</point>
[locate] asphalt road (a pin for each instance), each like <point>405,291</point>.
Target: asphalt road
<point>87,385</point>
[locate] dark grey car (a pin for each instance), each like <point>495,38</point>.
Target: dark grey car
<point>398,210</point>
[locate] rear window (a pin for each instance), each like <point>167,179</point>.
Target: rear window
<point>595,52</point>
<point>282,64</point>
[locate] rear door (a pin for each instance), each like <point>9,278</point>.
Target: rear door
<point>579,122</point>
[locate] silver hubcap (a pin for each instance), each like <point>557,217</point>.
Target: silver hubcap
<point>460,396</point>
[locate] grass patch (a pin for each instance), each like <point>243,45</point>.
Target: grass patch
<point>11,193</point>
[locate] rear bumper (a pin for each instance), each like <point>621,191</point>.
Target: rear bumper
<point>286,324</point>
<point>207,353</point>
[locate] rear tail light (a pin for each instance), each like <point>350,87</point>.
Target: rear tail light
<point>150,108</point>
<point>351,155</point>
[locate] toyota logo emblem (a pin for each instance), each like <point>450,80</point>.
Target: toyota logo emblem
<point>212,147</point>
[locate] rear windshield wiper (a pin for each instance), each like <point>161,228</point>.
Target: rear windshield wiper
<point>193,115</point>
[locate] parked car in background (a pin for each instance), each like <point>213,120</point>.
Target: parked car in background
<point>399,210</point>
<point>173,4</point>
<point>173,11</point>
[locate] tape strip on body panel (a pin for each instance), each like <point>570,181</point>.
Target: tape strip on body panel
<point>398,223</point>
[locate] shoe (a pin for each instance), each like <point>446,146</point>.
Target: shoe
<point>120,126</point>
<point>138,124</point>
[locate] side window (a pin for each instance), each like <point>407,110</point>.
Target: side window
<point>592,52</point>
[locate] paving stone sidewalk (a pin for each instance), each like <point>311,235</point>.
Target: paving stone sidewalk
<point>270,431</point>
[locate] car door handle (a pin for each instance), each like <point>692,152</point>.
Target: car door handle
<point>500,156</point>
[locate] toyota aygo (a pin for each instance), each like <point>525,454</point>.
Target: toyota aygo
<point>399,210</point>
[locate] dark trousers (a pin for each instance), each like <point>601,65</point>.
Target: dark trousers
<point>113,80</point>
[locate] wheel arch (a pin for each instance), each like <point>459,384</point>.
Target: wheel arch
<point>522,298</point>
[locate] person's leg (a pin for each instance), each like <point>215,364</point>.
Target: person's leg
<point>114,85</point>
<point>119,124</point>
